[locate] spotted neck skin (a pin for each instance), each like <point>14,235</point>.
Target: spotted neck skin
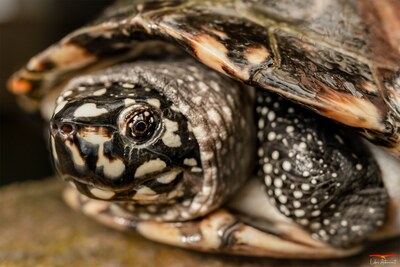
<point>317,174</point>
<point>154,137</point>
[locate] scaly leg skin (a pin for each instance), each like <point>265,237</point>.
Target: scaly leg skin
<point>219,231</point>
<point>317,174</point>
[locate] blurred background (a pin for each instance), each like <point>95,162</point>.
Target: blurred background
<point>26,28</point>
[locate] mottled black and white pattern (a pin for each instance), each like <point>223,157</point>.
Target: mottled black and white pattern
<point>166,143</point>
<point>317,173</point>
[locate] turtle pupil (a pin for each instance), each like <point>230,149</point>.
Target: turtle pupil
<point>142,125</point>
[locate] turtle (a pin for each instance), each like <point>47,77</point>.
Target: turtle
<point>251,127</point>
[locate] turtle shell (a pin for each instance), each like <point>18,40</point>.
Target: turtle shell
<point>338,58</point>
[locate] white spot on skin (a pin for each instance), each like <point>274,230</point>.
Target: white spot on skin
<point>128,85</point>
<point>89,110</point>
<point>315,213</point>
<point>371,210</point>
<point>150,167</point>
<point>111,168</point>
<point>299,213</point>
<point>168,177</point>
<point>322,232</point>
<point>305,187</point>
<point>145,191</point>
<point>271,116</point>
<point>190,162</point>
<point>213,115</point>
<point>197,100</point>
<point>264,110</point>
<point>315,225</point>
<point>228,112</point>
<point>275,155</point>
<point>285,142</point>
<point>174,108</point>
<point>75,155</point>
<point>268,180</point>
<point>102,194</point>
<point>129,101</point>
<point>154,102</point>
<point>261,124</point>
<point>289,129</point>
<point>296,204</point>
<point>297,194</point>
<point>282,199</point>
<point>169,138</point>
<point>100,92</point>
<point>271,136</point>
<point>304,222</point>
<point>196,169</point>
<point>278,182</point>
<point>278,192</point>
<point>67,93</point>
<point>267,168</point>
<point>314,200</point>
<point>359,166</point>
<point>60,107</point>
<point>286,166</point>
<point>302,145</point>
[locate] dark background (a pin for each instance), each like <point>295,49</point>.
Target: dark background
<point>26,28</point>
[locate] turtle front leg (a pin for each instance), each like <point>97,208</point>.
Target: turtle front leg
<point>219,231</point>
<point>318,174</point>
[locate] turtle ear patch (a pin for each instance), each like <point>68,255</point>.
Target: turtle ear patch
<point>318,175</point>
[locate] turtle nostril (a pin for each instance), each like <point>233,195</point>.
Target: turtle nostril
<point>66,128</point>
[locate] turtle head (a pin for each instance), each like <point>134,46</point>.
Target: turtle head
<point>171,135</point>
<point>124,141</point>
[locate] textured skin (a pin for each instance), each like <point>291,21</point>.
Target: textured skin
<point>318,174</point>
<point>218,231</point>
<point>111,158</point>
<point>223,143</point>
<point>348,73</point>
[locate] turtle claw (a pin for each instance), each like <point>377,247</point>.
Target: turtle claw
<point>220,231</point>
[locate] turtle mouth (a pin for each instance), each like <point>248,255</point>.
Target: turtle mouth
<point>148,188</point>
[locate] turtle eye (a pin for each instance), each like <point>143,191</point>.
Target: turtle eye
<point>139,123</point>
<point>142,125</point>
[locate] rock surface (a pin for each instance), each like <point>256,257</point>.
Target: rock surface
<point>38,229</point>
